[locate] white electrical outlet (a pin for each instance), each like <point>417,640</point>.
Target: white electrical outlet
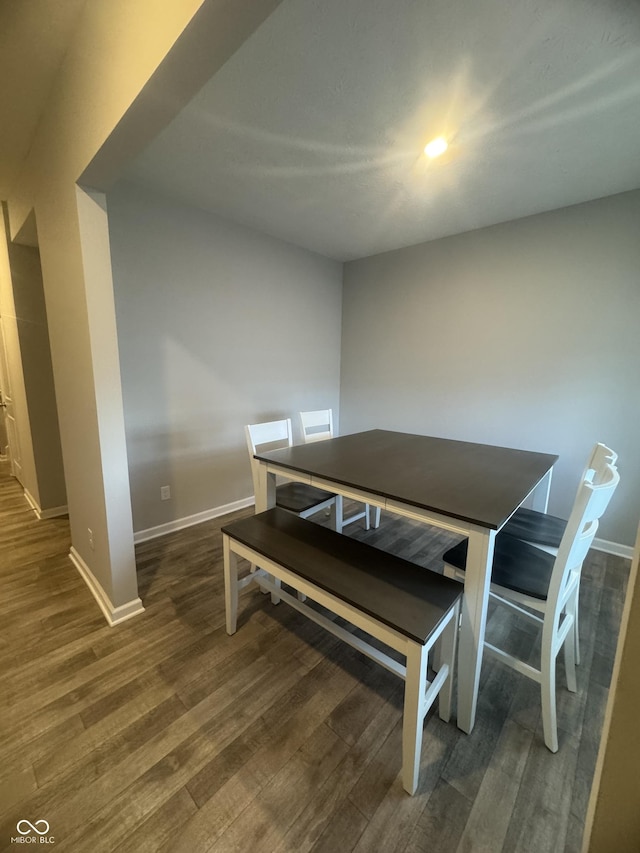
<point>90,535</point>
<point>165,493</point>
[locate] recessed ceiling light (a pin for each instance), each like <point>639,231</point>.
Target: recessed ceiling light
<point>436,147</point>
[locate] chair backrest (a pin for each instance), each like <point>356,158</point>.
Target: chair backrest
<point>590,504</point>
<point>273,433</point>
<point>601,457</point>
<point>316,426</point>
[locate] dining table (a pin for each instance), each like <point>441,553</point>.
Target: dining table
<point>463,487</point>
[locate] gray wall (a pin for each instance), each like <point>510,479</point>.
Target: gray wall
<point>525,334</point>
<point>218,326</point>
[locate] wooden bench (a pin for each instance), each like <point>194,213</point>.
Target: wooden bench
<point>406,607</point>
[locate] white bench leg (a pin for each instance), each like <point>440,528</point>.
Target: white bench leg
<point>413,715</point>
<point>230,584</point>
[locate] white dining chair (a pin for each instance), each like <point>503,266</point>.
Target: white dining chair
<point>300,498</point>
<point>525,579</point>
<point>545,531</point>
<point>318,426</point>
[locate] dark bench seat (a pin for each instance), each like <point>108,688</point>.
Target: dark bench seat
<point>399,603</point>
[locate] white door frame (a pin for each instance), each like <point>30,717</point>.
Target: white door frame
<point>7,412</point>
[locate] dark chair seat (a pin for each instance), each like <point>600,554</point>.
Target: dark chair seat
<point>299,497</point>
<point>516,565</point>
<point>536,527</point>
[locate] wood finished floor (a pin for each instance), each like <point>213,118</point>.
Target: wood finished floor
<point>165,734</point>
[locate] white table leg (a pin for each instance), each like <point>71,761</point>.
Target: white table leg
<point>266,499</point>
<point>473,622</point>
<point>446,651</point>
<point>230,585</point>
<point>266,494</point>
<point>540,495</point>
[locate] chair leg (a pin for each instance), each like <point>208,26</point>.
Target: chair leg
<point>576,633</point>
<point>548,693</point>
<point>570,650</point>
<point>336,513</point>
<point>570,661</point>
<point>367,517</point>
<point>376,522</point>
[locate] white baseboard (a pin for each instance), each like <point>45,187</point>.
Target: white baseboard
<point>113,615</point>
<point>52,512</point>
<point>190,520</point>
<point>612,548</point>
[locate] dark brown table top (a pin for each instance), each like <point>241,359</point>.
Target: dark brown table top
<point>477,483</point>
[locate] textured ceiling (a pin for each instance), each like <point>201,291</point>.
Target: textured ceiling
<point>313,131</point>
<point>34,35</point>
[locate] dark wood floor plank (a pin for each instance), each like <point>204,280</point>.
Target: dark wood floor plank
<point>151,651</point>
<point>49,742</point>
<point>267,819</point>
<point>441,823</point>
<point>217,669</point>
<point>165,734</point>
<point>106,743</point>
<point>84,791</point>
<point>269,749</point>
<point>153,833</point>
<point>316,820</point>
<point>375,686</point>
<point>137,785</point>
<point>16,786</point>
<point>574,837</point>
<point>283,727</point>
<point>467,764</point>
<point>394,822</point>
<point>487,825</point>
<point>540,814</point>
<point>380,774</point>
<point>342,832</point>
<point>595,706</point>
